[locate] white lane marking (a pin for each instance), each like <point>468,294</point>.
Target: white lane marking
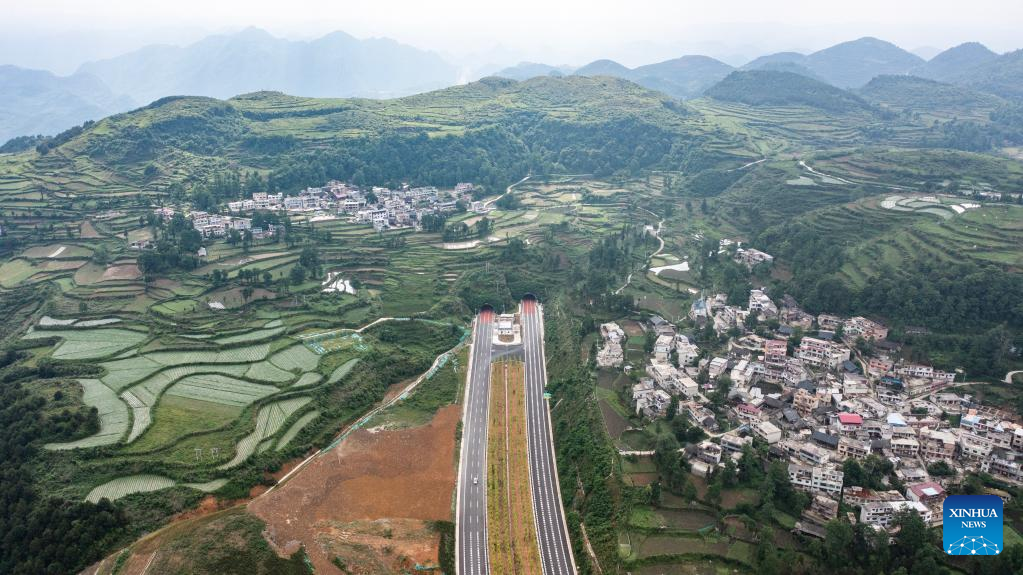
<point>550,519</point>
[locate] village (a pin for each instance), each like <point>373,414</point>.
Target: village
<point>382,208</point>
<point>815,392</point>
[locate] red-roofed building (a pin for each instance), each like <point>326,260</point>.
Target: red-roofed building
<point>929,493</point>
<point>850,418</point>
<point>850,422</point>
<point>747,412</point>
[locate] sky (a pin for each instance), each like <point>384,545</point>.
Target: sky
<point>61,34</point>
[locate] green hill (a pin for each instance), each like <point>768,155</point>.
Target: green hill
<point>493,131</point>
<point>919,95</point>
<point>776,88</point>
<point>1001,77</point>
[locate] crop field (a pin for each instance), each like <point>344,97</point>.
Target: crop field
<point>175,415</point>
<point>341,371</point>
<point>296,357</point>
<point>117,488</point>
<point>308,379</point>
<point>295,428</point>
<point>113,416</point>
<point>90,344</point>
<point>269,421</point>
<point>122,486</point>
<point>220,389</point>
<point>248,336</point>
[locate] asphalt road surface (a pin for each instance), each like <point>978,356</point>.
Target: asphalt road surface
<point>552,535</point>
<point>471,548</point>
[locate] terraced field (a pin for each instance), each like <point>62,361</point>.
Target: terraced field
<point>268,422</point>
<point>879,235</point>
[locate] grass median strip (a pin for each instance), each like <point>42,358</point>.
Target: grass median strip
<point>510,525</point>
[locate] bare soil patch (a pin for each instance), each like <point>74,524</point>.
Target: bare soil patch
<point>615,423</point>
<point>631,328</point>
<point>87,231</point>
<point>335,504</point>
<point>122,272</point>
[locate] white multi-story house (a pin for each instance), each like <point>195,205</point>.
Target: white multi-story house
<point>882,513</point>
<point>822,353</point>
<point>761,305</point>
<point>816,478</point>
<point>766,430</point>
<point>687,352</point>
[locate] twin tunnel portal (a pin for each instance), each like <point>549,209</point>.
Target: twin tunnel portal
<point>516,337</point>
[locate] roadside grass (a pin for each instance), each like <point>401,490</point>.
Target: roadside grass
<point>511,526</point>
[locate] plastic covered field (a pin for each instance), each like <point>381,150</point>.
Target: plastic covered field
<point>296,427</point>
<point>339,373</point>
<point>295,357</point>
<point>268,422</point>
<point>220,389</point>
<point>113,416</point>
<point>90,343</point>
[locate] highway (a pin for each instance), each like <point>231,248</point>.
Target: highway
<point>551,531</point>
<point>471,518</point>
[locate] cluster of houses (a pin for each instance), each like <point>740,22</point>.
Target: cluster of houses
<point>214,225</point>
<point>746,256</point>
<point>819,403</point>
<point>383,208</point>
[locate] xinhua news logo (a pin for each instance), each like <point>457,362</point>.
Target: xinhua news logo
<point>972,525</point>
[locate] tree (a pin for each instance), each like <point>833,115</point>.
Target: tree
<point>655,493</point>
<point>838,544</point>
<point>101,255</point>
<point>297,275</point>
<point>672,408</point>
<point>729,475</point>
<point>309,258</point>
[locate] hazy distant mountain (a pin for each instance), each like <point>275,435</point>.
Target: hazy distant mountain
<point>227,65</point>
<point>777,88</point>
<point>853,64</point>
<point>956,62</point>
<point>775,59</point>
<point>604,68</point>
<point>38,102</point>
<point>849,64</point>
<point>527,70</point>
<point>685,77</point>
<point>783,62</point>
<point>1002,76</point>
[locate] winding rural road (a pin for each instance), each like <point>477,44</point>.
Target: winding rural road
<point>548,511</point>
<point>472,557</point>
